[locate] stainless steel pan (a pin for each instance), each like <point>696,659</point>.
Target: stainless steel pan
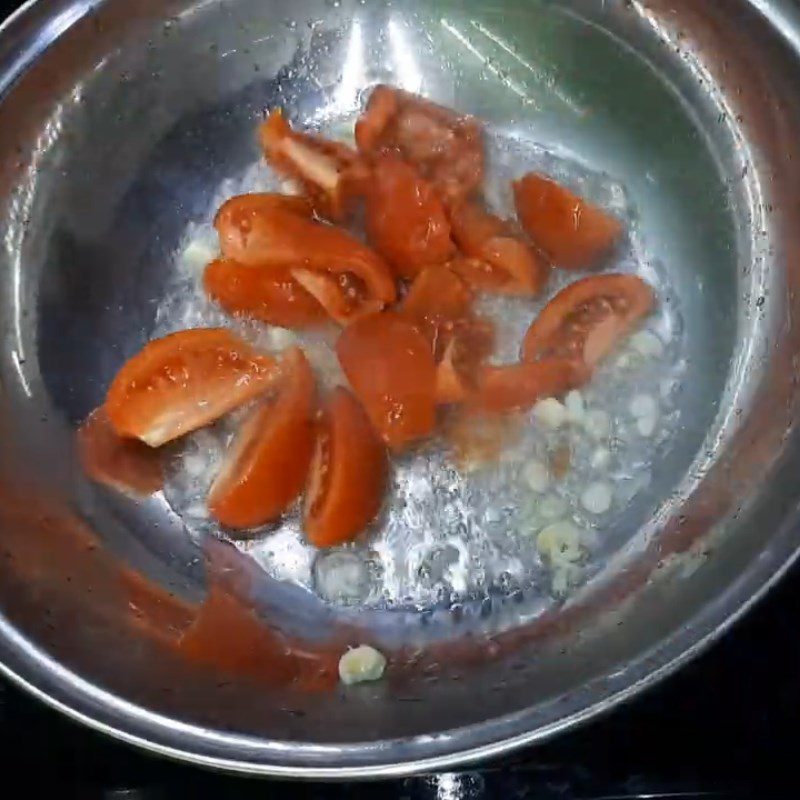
<point>120,121</point>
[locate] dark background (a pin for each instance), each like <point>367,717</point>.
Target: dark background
<point>725,727</point>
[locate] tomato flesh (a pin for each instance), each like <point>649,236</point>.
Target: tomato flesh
<point>390,365</point>
<point>440,302</point>
<point>331,173</point>
<point>184,381</point>
<point>405,219</point>
<point>516,387</point>
<point>347,478</point>
<point>445,147</point>
<point>344,297</point>
<point>269,295</point>
<point>238,221</point>
<point>588,318</point>
<point>572,232</point>
<point>273,237</point>
<point>505,263</point>
<point>266,466</point>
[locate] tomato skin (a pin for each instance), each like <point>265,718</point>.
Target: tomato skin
<point>572,232</point>
<point>516,387</point>
<point>237,222</point>
<point>373,127</point>
<point>390,365</point>
<point>451,383</point>
<point>405,220</point>
<point>185,381</point>
<point>343,299</point>
<point>437,300</point>
<point>505,263</point>
<point>586,319</point>
<point>127,465</point>
<point>269,295</point>
<point>446,148</point>
<point>347,478</point>
<point>331,173</point>
<point>440,303</point>
<point>266,466</point>
<point>272,237</point>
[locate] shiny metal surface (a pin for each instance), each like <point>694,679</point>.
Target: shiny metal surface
<point>118,123</point>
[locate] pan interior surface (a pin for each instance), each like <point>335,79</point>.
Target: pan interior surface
<point>120,138</point>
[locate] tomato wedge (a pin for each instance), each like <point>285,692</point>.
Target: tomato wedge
<point>445,147</point>
<point>345,298</point>
<point>452,381</point>
<point>127,465</point>
<point>587,319</point>
<point>405,219</point>
<point>437,300</point>
<point>507,264</point>
<point>269,236</point>
<point>440,303</point>
<point>331,173</point>
<point>237,222</point>
<point>266,466</point>
<point>269,295</point>
<point>347,478</point>
<point>390,366</point>
<point>516,387</point>
<point>184,381</point>
<point>572,232</point>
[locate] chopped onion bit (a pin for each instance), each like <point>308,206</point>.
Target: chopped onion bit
<point>596,497</point>
<point>536,476</point>
<point>198,253</point>
<point>550,412</point>
<point>576,411</point>
<point>600,458</point>
<point>644,410</point>
<point>647,344</point>
<point>281,338</point>
<point>560,543</point>
<point>361,664</point>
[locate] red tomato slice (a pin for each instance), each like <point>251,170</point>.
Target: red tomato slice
<point>184,381</point>
<point>373,129</point>
<point>405,219</point>
<point>515,387</point>
<point>345,298</point>
<point>445,147</point>
<point>481,276</point>
<point>440,302</point>
<point>269,295</point>
<point>239,216</point>
<point>573,233</point>
<point>331,173</point>
<point>261,236</point>
<point>347,478</point>
<point>588,318</point>
<point>451,383</point>
<point>390,366</point>
<point>266,466</point>
<point>461,365</point>
<point>127,465</point>
<point>437,301</point>
<point>510,266</point>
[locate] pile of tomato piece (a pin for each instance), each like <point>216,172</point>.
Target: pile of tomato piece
<point>410,344</point>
